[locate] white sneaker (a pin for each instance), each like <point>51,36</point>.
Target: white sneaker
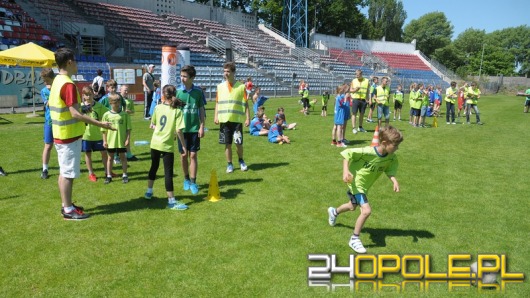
<point>447,123</point>
<point>332,217</point>
<point>354,131</point>
<point>357,245</point>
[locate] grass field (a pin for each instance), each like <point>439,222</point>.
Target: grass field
<point>464,189</point>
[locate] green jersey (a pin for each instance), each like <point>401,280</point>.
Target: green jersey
<point>398,96</point>
<point>416,98</point>
<point>129,105</point>
<point>325,99</point>
<point>92,132</point>
<point>367,165</point>
<point>122,122</point>
<point>194,100</point>
<point>424,99</point>
<point>527,93</point>
<point>166,121</point>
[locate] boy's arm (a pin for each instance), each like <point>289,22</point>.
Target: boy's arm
<point>347,176</point>
<point>128,138</point>
<point>247,114</point>
<point>396,184</point>
<point>180,135</point>
<point>104,134</point>
<point>201,120</point>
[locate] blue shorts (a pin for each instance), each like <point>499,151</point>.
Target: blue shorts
<point>256,133</point>
<point>527,103</point>
<point>357,199</point>
<point>90,146</point>
<point>383,110</point>
<point>193,142</point>
<point>415,112</point>
<point>423,111</point>
<point>48,134</point>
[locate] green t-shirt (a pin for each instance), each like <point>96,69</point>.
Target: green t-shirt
<point>129,105</point>
<point>105,101</point>
<point>367,165</point>
<point>398,96</point>
<point>325,99</point>
<point>527,92</point>
<point>92,132</point>
<point>194,100</point>
<point>424,99</point>
<point>166,121</point>
<point>122,122</point>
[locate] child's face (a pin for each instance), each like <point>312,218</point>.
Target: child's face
<point>115,105</point>
<point>186,79</point>
<point>88,97</point>
<point>111,89</point>
<point>124,90</point>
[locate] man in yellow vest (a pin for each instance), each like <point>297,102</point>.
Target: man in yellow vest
<point>68,126</point>
<point>230,107</point>
<point>383,102</point>
<point>359,91</point>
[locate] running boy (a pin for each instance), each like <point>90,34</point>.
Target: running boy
<point>116,141</point>
<point>361,168</point>
<point>166,120</point>
<point>193,113</point>
<point>93,139</point>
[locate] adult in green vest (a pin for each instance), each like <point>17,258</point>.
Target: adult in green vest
<point>230,108</point>
<point>451,95</point>
<point>68,126</point>
<point>382,99</point>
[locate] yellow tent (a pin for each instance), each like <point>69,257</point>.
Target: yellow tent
<point>29,55</point>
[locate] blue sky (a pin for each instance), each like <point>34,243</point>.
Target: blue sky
<point>489,15</point>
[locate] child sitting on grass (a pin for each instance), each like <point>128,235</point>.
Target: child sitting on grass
<point>276,132</point>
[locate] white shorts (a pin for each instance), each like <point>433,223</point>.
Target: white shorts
<point>69,157</point>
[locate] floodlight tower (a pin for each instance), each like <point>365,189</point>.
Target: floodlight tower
<point>294,21</point>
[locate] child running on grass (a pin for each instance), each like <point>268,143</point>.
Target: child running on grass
<point>166,120</point>
<point>361,168</point>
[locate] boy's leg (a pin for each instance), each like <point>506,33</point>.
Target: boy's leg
<point>123,158</point>
<point>110,160</point>
<point>88,161</point>
<point>104,158</point>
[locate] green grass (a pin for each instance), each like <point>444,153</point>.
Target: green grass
<point>464,189</point>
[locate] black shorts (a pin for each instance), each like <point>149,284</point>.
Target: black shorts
<point>416,112</point>
<point>114,150</point>
<point>398,105</point>
<point>193,142</point>
<point>358,105</point>
<point>324,108</point>
<point>229,131</point>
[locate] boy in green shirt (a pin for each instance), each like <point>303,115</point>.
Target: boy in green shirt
<point>116,141</point>
<point>361,168</point>
<point>93,139</point>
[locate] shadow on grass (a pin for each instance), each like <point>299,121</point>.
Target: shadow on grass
<point>378,235</point>
<point>129,205</point>
<point>263,166</point>
<point>10,197</point>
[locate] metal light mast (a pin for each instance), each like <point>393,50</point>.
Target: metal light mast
<point>294,21</point>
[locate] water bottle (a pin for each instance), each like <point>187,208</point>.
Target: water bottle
<point>141,143</point>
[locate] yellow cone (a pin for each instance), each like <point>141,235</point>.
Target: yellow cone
<point>214,195</point>
<point>435,122</point>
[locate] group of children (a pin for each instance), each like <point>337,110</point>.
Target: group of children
<point>261,125</point>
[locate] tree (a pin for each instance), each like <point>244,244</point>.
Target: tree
<point>386,18</point>
<point>516,42</point>
<point>431,31</point>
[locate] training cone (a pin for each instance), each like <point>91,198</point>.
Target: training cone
<point>214,195</point>
<point>435,122</point>
<point>375,139</point>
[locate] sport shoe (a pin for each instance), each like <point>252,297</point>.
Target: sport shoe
<point>448,123</point>
<point>194,188</point>
<point>108,180</point>
<point>229,168</point>
<point>125,179</point>
<point>354,131</point>
<point>73,205</point>
<point>177,206</point>
<point>243,166</point>
<point>44,174</point>
<point>132,158</point>
<point>345,141</point>
<point>333,143</point>
<point>76,214</point>
<point>453,122</point>
<point>341,145</point>
<point>2,172</point>
<point>332,217</point>
<point>362,129</point>
<point>186,184</point>
<point>92,177</point>
<point>357,245</point>
<point>480,123</point>
<point>148,195</point>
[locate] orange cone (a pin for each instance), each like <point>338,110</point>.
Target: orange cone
<point>375,139</point>
<point>214,195</point>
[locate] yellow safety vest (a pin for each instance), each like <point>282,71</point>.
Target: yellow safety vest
<point>382,95</point>
<point>64,126</point>
<point>363,87</point>
<point>231,102</point>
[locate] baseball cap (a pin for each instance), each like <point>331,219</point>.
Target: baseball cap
<point>151,65</point>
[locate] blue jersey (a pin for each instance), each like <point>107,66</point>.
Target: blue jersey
<point>261,101</point>
<point>342,110</point>
<point>255,126</point>
<point>274,132</point>
<point>45,95</point>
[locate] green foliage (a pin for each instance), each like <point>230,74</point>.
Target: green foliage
<point>386,18</point>
<point>464,189</point>
<point>431,31</point>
